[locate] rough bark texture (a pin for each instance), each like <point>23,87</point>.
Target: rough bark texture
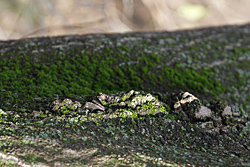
<point>200,133</point>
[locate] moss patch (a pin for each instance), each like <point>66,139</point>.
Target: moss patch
<point>210,63</point>
<point>109,71</point>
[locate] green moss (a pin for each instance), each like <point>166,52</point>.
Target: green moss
<point>86,75</point>
<point>148,107</point>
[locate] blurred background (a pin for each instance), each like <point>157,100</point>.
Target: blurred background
<point>32,18</point>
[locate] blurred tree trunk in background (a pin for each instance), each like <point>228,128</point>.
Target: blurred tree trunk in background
<point>31,18</point>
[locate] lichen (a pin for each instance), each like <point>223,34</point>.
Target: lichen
<point>205,62</point>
